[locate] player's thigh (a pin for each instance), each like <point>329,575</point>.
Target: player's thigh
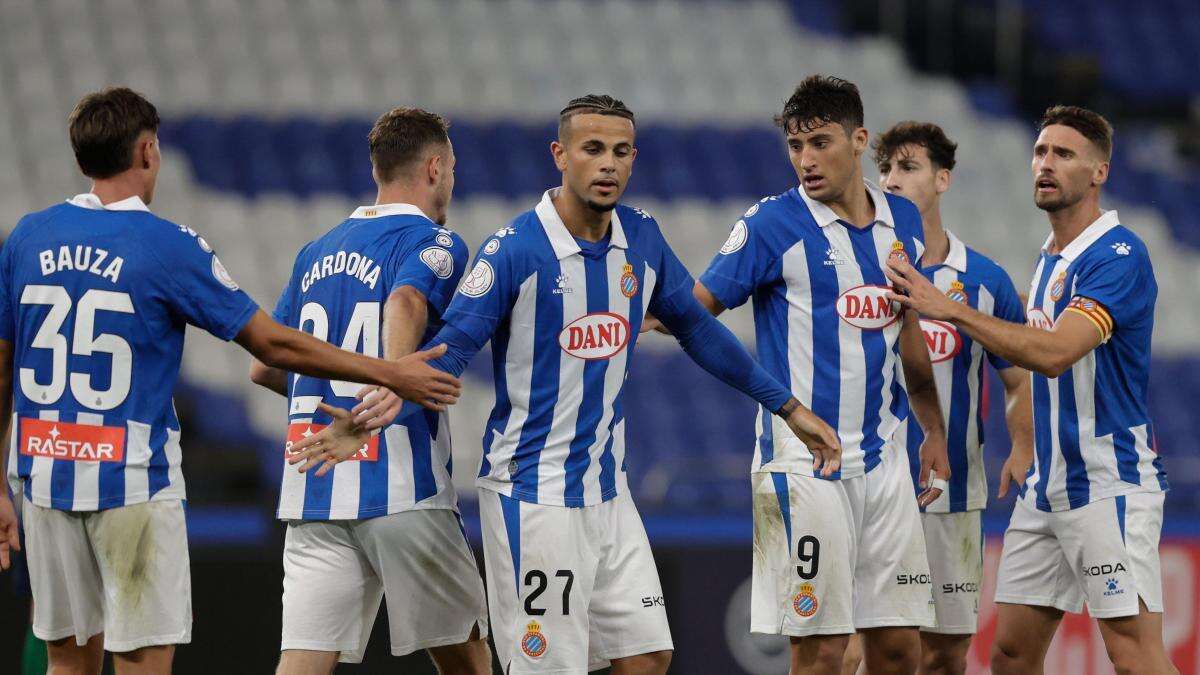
<point>540,569</point>
<point>152,660</point>
<point>954,544</point>
<point>1112,547</point>
<point>804,533</point>
<point>331,594</point>
<point>1023,634</point>
<point>141,551</point>
<point>1134,643</point>
<point>429,576</point>
<point>68,595</point>
<point>627,615</point>
<point>891,574</point>
<point>64,655</point>
<point>1034,569</point>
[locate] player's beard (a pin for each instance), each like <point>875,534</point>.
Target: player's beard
<point>600,208</point>
<point>1056,203</point>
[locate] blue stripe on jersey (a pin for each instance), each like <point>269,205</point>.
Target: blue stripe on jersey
<point>862,241</point>
<point>157,473</point>
<point>318,495</point>
<point>1043,444</point>
<point>62,484</point>
<point>1121,515</point>
<point>592,408</point>
<point>373,483</point>
<point>1078,485</point>
<point>827,377</point>
<point>960,409</point>
<point>112,475</point>
<point>510,510</point>
<point>1127,456</point>
<point>498,420</point>
<point>424,484</point>
<point>785,504</point>
<point>543,394</point>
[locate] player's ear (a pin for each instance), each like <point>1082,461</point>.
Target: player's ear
<point>145,152</point>
<point>559,152</point>
<point>859,139</point>
<point>434,166</point>
<point>942,180</point>
<point>1100,173</point>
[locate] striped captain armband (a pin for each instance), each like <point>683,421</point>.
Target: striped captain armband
<point>1095,313</point>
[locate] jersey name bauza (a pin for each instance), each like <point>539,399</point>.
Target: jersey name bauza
<point>968,277</point>
<point>337,292</point>
<point>95,299</point>
<point>563,318</point>
<point>822,321</point>
<point>1091,426</point>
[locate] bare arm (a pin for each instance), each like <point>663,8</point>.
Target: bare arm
<point>923,398</point>
<point>405,319</point>
<point>1018,414</point>
<point>8,517</point>
<point>1049,352</point>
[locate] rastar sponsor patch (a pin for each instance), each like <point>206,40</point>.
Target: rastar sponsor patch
<point>943,340</point>
<point>867,307</point>
<point>599,335</point>
<point>369,452</point>
<point>72,442</point>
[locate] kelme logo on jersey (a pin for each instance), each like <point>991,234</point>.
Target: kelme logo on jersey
<point>72,442</point>
<point>479,281</point>
<point>1038,319</point>
<point>867,307</point>
<point>629,282</point>
<point>599,335</point>
<point>369,452</point>
<point>737,238</point>
<point>534,643</point>
<point>957,292</point>
<point>943,340</point>
<point>805,603</point>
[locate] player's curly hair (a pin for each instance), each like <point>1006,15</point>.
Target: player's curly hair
<point>593,104</point>
<point>103,128</point>
<point>925,134</point>
<point>1090,124</point>
<point>401,136</point>
<point>819,100</point>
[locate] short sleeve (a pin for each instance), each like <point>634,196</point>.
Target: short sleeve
<point>1121,286</point>
<point>1006,305</point>
<point>432,267</point>
<point>743,263</point>
<point>488,291</point>
<point>8,326</point>
<point>197,286</point>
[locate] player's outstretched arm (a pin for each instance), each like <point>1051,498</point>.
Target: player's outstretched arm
<point>290,350</point>
<point>9,540</point>
<point>1018,413</point>
<point>1049,352</point>
<point>405,319</point>
<point>267,377</point>
<point>923,396</point>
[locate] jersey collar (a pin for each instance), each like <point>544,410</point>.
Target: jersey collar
<point>826,217</point>
<point>381,210</point>
<point>1107,221</point>
<point>957,257</point>
<point>561,241</point>
<point>89,200</point>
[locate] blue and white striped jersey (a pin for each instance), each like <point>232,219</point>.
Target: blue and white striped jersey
<point>95,299</point>
<point>1091,425</point>
<point>971,278</point>
<point>821,319</point>
<point>563,317</point>
<point>337,292</point>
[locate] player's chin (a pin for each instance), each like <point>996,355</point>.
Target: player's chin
<point>602,205</point>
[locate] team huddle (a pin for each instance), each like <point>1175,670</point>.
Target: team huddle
<point>873,324</point>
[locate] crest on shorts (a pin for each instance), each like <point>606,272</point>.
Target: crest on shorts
<point>957,293</point>
<point>805,603</point>
<point>898,252</point>
<point>629,282</point>
<point>534,643</point>
<point>1057,288</point>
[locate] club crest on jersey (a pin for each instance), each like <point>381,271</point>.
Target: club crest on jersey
<point>534,643</point>
<point>1038,319</point>
<point>957,292</point>
<point>898,253</point>
<point>942,338</point>
<point>72,442</point>
<point>805,603</point>
<point>1059,285</point>
<point>479,281</point>
<point>595,336</point>
<point>439,260</point>
<point>629,282</point>
<point>867,307</point>
<point>737,238</point>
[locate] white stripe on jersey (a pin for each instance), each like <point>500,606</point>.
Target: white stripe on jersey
<point>519,381</point>
<point>42,466</point>
<point>552,478</point>
<point>86,493</point>
<point>137,461</point>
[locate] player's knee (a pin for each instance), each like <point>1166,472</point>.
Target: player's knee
<point>939,661</point>
<point>1008,658</point>
<point>824,653</point>
<point>656,663</point>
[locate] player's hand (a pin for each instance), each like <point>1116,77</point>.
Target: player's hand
<point>1015,469</point>
<point>820,439</point>
<point>651,323</point>
<point>413,379</point>
<point>9,541</point>
<point>378,407</point>
<point>335,443</point>
<point>912,290</point>
<point>935,469</point>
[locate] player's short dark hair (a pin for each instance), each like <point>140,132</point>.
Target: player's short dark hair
<point>1090,124</point>
<point>104,127</point>
<point>593,104</point>
<point>819,100</point>
<point>925,134</point>
<point>401,136</point>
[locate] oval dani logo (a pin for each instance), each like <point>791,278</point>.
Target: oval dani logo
<point>595,336</point>
<point>942,338</point>
<point>867,307</point>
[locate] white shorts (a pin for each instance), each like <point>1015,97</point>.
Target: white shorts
<point>1105,553</point>
<point>335,572</point>
<point>955,545</point>
<point>834,556</point>
<point>123,572</point>
<point>570,589</point>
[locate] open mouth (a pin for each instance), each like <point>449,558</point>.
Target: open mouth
<point>814,181</point>
<point>605,186</point>
<point>1046,185</point>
